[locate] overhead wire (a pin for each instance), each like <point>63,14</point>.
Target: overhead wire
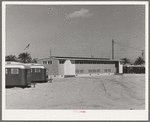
<point>127,45</point>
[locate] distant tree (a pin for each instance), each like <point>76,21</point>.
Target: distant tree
<point>25,58</point>
<point>139,61</point>
<point>125,60</point>
<point>92,56</point>
<point>34,60</point>
<point>11,58</point>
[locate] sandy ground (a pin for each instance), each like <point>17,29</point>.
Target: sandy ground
<point>114,92</point>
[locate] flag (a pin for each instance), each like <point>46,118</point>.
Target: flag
<point>27,47</point>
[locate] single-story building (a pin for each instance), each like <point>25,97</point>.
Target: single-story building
<point>76,66</point>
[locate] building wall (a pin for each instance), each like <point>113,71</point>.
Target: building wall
<point>52,68</point>
<point>104,68</point>
<point>69,67</point>
<point>61,69</point>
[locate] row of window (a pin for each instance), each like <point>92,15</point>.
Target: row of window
<point>47,62</point>
<point>81,62</point>
<point>50,62</point>
<point>79,71</point>
<point>61,61</point>
<point>36,70</point>
<point>13,71</point>
<point>16,71</point>
<point>94,62</point>
<point>93,70</point>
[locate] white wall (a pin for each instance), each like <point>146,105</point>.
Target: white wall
<point>120,68</point>
<point>69,69</point>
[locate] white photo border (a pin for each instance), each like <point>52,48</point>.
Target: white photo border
<point>70,114</point>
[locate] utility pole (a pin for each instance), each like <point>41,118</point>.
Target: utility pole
<point>113,49</point>
<point>50,53</point>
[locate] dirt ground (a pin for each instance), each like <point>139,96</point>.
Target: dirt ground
<point>116,92</point>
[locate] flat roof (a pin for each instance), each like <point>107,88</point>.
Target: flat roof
<point>36,65</point>
<point>12,62</point>
<point>134,65</point>
<point>21,66</point>
<point>79,58</point>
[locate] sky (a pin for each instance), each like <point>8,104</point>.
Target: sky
<point>76,30</point>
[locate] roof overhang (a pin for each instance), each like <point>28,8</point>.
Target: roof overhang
<point>79,58</point>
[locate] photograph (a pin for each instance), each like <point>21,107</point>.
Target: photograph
<point>80,60</point>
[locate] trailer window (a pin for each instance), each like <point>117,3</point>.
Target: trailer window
<point>14,71</point>
<point>6,71</point>
<point>37,70</point>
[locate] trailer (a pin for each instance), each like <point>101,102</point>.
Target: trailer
<point>138,69</point>
<point>38,73</point>
<point>17,75</point>
<point>134,69</point>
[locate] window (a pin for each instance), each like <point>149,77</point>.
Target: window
<point>81,62</point>
<point>94,62</point>
<point>37,70</point>
<point>111,63</point>
<point>14,71</point>
<point>76,62</point>
<point>98,62</point>
<point>98,70</point>
<point>90,62</point>
<point>61,61</point>
<point>44,62</point>
<point>77,71</point>
<point>109,70</point>
<point>90,70</point>
<point>94,70</point>
<point>6,71</point>
<point>105,70</point>
<point>49,62</point>
<point>81,71</point>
